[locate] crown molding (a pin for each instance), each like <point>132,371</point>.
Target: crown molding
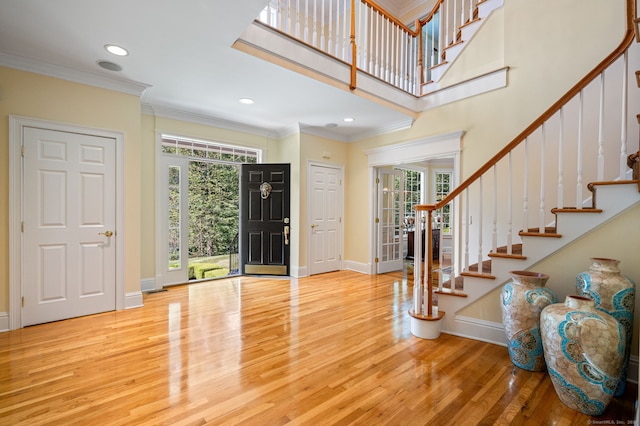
<point>207,120</point>
<point>77,76</point>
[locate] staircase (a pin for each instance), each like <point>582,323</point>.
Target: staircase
<point>438,64</point>
<point>505,207</point>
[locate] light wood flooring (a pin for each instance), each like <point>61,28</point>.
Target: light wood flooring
<point>329,349</point>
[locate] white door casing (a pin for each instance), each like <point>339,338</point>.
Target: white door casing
<point>67,194</point>
<point>389,218</point>
<point>325,212</point>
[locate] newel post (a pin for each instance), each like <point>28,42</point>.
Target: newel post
<point>352,83</point>
<point>425,320</point>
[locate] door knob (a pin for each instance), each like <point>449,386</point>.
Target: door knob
<point>313,226</point>
<point>106,233</point>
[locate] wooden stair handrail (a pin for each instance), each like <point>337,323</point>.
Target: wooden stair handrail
<point>575,90</point>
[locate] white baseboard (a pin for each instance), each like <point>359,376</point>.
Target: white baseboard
<point>298,272</point>
<point>363,268</point>
<point>147,284</point>
<point>476,329</point>
<point>4,321</point>
<point>133,300</point>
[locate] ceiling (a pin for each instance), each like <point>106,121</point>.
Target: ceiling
<point>182,63</point>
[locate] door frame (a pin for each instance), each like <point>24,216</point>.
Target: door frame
<point>440,146</point>
<point>307,234</point>
<point>16,214</point>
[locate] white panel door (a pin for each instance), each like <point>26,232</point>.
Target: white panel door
<point>325,212</point>
<point>390,215</point>
<point>69,251</point>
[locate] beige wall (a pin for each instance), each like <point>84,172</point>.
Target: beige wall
<point>36,96</point>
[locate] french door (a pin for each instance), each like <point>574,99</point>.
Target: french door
<point>390,215</point>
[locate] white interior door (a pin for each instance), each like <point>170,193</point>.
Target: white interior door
<point>389,220</point>
<point>325,214</point>
<point>69,220</point>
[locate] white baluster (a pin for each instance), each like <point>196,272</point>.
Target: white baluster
<point>331,30</point>
<point>455,21</point>
<point>306,21</point>
<point>541,221</point>
<point>525,190</point>
<point>446,24</point>
<point>510,207</point>
<point>323,37</point>
<point>467,225</point>
<point>345,32</point>
<point>561,161</point>
<point>297,32</point>
<point>494,230</point>
<point>579,153</point>
<point>314,39</point>
<point>625,106</point>
<point>480,224</point>
<point>601,131</point>
<point>289,26</point>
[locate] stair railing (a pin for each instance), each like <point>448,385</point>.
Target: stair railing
<point>370,39</point>
<point>517,191</point>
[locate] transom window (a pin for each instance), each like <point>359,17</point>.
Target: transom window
<point>210,150</point>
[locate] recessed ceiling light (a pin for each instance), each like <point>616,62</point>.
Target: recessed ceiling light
<point>349,120</point>
<point>246,101</point>
<point>107,65</point>
<point>331,125</point>
<point>116,50</point>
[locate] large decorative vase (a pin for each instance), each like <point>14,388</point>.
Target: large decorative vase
<point>614,294</point>
<point>584,351</point>
<point>523,299</point>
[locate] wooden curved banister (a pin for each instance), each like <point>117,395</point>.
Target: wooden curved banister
<point>575,90</point>
<point>390,17</point>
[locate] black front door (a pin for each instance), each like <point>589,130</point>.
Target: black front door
<point>264,219</point>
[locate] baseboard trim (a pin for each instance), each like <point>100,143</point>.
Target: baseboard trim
<point>298,272</point>
<point>476,329</point>
<point>363,268</point>
<point>133,300</point>
<point>4,321</point>
<point>147,284</point>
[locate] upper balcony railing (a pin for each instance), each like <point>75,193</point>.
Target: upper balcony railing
<point>370,39</point>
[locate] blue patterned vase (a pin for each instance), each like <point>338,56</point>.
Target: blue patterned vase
<point>523,299</point>
<point>584,351</point>
<point>614,294</point>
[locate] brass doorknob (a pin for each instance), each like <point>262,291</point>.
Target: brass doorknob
<point>106,233</point>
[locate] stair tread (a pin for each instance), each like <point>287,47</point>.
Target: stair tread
<point>575,210</point>
<point>478,275</point>
<point>448,291</point>
<point>549,231</point>
<point>507,255</point>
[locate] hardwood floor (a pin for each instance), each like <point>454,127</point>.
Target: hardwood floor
<point>329,349</point>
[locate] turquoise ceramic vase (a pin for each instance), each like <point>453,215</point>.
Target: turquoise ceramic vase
<point>614,294</point>
<point>523,298</point>
<point>584,352</point>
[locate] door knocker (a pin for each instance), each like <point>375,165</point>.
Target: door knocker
<point>265,190</point>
